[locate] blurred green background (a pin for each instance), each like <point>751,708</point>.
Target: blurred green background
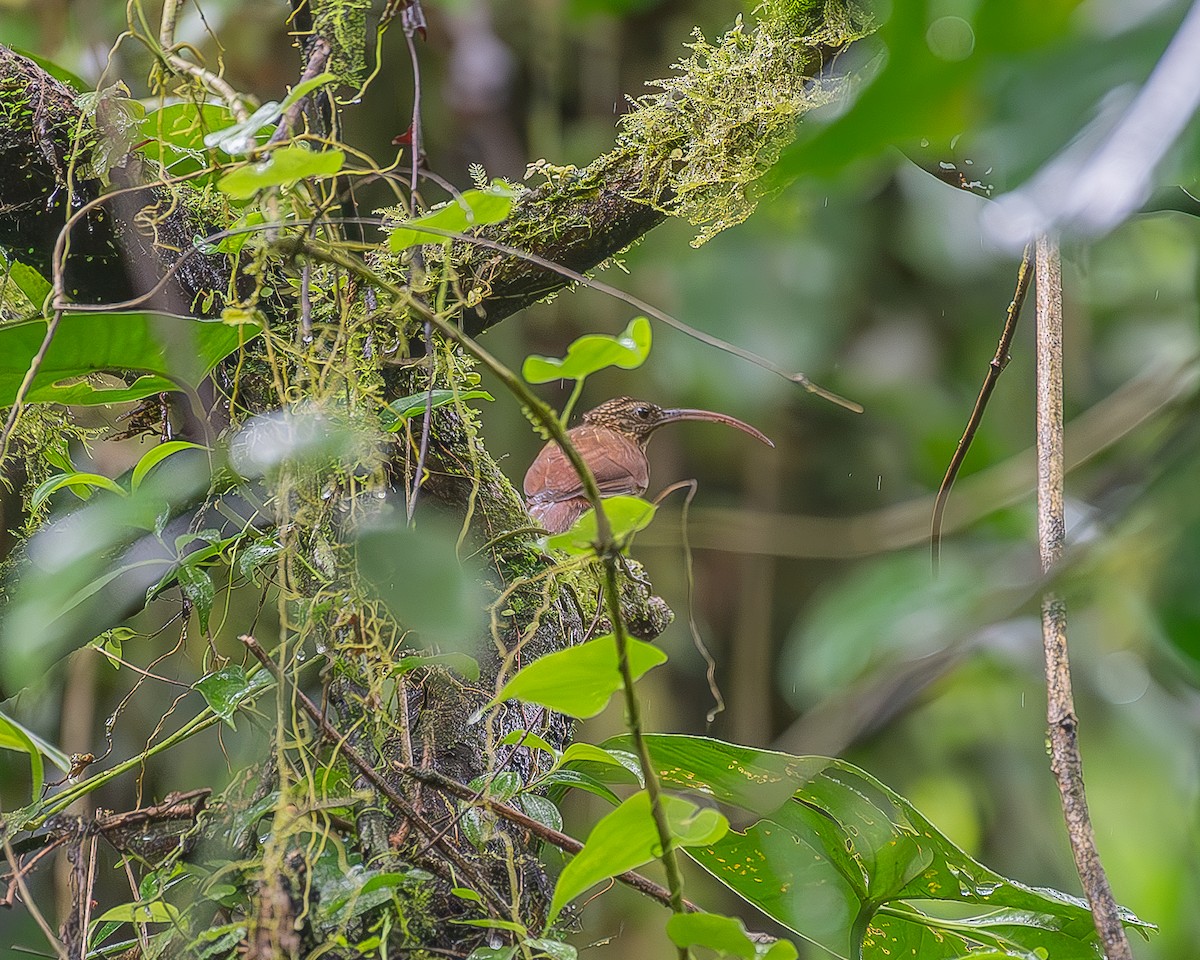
<point>812,581</point>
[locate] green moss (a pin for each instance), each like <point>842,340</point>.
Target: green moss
<point>345,23</point>
<point>717,127</point>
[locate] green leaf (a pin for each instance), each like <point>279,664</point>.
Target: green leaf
<point>540,809</point>
<point>580,680</point>
<point>257,554</point>
<point>417,574</point>
<point>627,837</point>
<point>111,644</point>
<point>834,845</point>
<point>284,166</point>
<point>32,284</point>
<point>580,781</point>
<point>554,949</point>
<point>225,690</point>
<point>726,935</point>
<point>198,588</point>
<point>465,666</point>
<point>398,411</point>
<point>581,752</point>
<point>626,516</point>
<point>472,209</point>
<point>503,786</point>
<point>528,739</point>
<point>157,455</point>
<point>171,350</point>
<point>240,139</point>
<point>61,74</point>
<point>156,911</point>
<point>489,923</point>
<point>591,353</point>
<point>51,485</point>
<point>307,87</point>
<point>175,136</point>
<point>15,737</point>
<point>492,953</point>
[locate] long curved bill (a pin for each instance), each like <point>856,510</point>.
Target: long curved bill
<point>669,416</point>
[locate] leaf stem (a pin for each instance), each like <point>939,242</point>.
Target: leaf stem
<point>633,720</point>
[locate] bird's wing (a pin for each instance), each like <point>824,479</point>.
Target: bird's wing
<point>619,468</point>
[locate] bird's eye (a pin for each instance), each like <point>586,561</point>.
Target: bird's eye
<point>642,412</point>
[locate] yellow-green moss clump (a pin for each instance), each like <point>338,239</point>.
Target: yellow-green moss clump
<point>719,125</point>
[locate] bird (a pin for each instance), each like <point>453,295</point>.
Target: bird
<point>612,440</point>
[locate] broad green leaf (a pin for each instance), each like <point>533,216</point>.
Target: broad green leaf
<point>465,666</point>
<point>473,208</point>
<point>834,845</point>
<point>585,761</point>
<point>15,737</point>
<point>51,485</point>
<point>580,680</point>
<point>59,73</point>
<point>175,135</point>
<point>31,283</point>
<point>156,455</point>
<point>417,574</point>
<point>580,752</point>
<point>170,350</point>
<point>901,930</point>
<point>503,786</point>
<point>726,935</point>
<point>257,554</point>
<point>540,809</point>
<point>626,838</point>
<point>157,911</point>
<point>414,405</point>
<point>554,949</point>
<point>626,516</point>
<point>228,688</point>
<point>580,781</point>
<point>197,586</point>
<point>283,166</point>
<point>591,353</point>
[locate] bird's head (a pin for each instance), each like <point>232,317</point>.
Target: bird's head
<point>639,418</point>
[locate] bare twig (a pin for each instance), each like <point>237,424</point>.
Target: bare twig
<point>18,878</point>
<point>995,368</point>
<point>1065,759</point>
<point>215,82</point>
<point>318,57</point>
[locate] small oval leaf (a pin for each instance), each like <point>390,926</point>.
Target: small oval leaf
<point>581,680</point>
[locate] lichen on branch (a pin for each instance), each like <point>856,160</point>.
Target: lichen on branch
<point>712,131</point>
